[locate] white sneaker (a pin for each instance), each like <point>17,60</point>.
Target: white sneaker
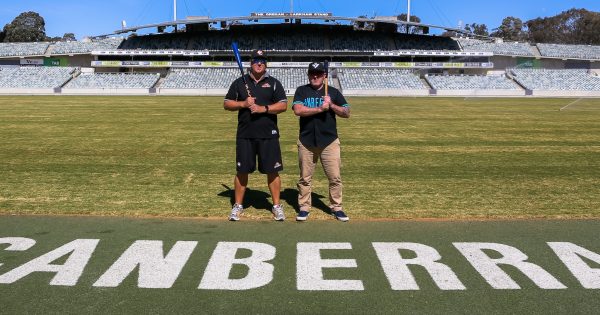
<point>278,214</point>
<point>236,211</point>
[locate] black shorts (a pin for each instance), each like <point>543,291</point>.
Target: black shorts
<point>268,151</point>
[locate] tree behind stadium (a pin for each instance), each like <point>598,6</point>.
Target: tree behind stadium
<point>512,28</point>
<point>575,26</point>
<point>477,29</point>
<point>27,27</point>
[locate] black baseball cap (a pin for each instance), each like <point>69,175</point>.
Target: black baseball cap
<point>258,54</point>
<point>316,67</point>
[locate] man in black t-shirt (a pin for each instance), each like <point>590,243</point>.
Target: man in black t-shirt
<point>318,139</point>
<point>257,132</point>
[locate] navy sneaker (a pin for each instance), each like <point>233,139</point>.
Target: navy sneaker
<point>302,215</point>
<point>340,215</point>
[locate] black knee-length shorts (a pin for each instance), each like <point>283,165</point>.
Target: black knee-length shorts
<point>268,152</point>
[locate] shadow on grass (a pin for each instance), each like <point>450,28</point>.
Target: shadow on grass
<point>262,200</point>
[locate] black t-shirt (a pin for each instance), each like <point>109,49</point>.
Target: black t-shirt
<point>318,130</point>
<point>267,91</point>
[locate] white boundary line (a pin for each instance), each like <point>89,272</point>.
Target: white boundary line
<point>574,102</point>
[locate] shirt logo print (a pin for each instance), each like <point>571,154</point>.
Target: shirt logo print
<point>313,102</point>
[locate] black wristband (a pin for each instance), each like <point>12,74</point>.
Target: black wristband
<point>267,109</point>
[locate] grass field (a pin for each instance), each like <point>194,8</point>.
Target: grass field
<point>402,158</point>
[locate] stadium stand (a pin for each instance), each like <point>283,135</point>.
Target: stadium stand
<point>114,81</point>
<point>417,42</point>
<point>76,47</point>
<point>505,48</point>
<point>474,85</point>
<point>569,51</point>
<point>359,41</point>
<point>161,41</point>
<point>269,38</point>
<point>292,41</point>
<point>378,79</point>
<point>470,82</point>
<point>290,78</point>
<point>34,77</point>
<point>556,80</point>
<point>203,78</point>
<point>219,40</point>
<point>219,79</point>
<point>359,81</point>
<point>369,59</point>
<point>23,49</point>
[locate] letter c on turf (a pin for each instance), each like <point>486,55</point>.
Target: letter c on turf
<point>17,243</point>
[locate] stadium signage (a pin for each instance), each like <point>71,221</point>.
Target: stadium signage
<point>288,15</point>
<point>138,52</point>
<point>36,62</point>
<point>157,270</point>
<point>433,53</point>
<point>205,64</point>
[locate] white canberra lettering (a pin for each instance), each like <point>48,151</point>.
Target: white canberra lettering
<point>157,269</point>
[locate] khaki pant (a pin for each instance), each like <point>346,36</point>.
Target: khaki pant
<point>331,160</point>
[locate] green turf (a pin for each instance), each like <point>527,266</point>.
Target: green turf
<point>34,294</point>
<point>402,158</point>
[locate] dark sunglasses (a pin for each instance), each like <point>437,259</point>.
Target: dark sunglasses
<point>260,61</point>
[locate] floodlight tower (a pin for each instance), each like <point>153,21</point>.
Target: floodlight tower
<point>408,12</point>
<point>174,10</point>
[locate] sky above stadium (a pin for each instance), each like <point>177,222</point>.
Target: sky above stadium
<point>85,18</point>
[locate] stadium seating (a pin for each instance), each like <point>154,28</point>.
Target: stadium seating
<point>290,78</point>
<point>556,80</point>
<point>507,48</point>
<point>219,40</point>
<point>221,78</point>
<point>75,47</point>
<point>34,77</point>
<point>203,78</point>
<point>379,79</point>
<point>163,41</point>
<point>470,82</point>
<point>360,41</point>
<point>114,81</point>
<point>290,40</point>
<point>569,51</point>
<point>23,49</point>
<point>417,42</point>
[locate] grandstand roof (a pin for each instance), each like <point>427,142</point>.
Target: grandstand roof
<point>256,17</point>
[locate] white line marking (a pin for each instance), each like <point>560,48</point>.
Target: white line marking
<point>574,102</point>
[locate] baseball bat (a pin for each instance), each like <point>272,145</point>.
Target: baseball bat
<point>238,59</point>
<point>326,64</point>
